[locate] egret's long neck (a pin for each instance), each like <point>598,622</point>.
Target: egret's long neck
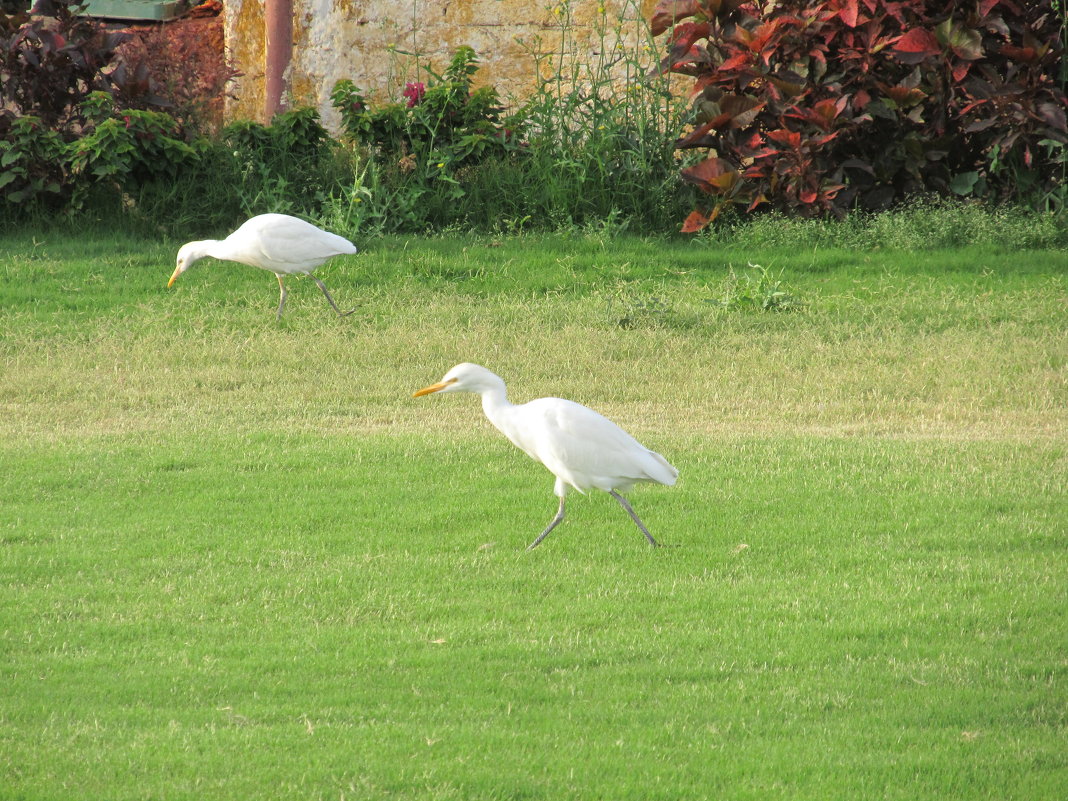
<point>205,247</point>
<point>496,406</point>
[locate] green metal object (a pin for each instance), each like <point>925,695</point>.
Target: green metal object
<point>156,10</point>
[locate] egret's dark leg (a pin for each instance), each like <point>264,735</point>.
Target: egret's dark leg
<point>322,286</point>
<point>634,517</point>
<point>550,527</point>
<point>282,298</point>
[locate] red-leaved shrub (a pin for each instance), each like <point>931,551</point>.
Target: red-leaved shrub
<point>51,61</point>
<point>819,107</point>
<point>184,61</point>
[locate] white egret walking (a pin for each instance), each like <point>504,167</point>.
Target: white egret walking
<point>582,448</point>
<point>277,243</point>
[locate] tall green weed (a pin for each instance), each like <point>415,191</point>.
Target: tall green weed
<point>601,131</point>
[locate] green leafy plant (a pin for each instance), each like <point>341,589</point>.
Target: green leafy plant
<point>443,126</point>
<point>63,79</point>
<point>126,148</point>
<point>284,166</point>
<point>32,160</point>
<point>128,144</point>
<point>591,143</point>
<point>426,152</point>
<point>600,129</point>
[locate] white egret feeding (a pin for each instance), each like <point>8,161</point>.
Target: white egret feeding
<point>582,448</point>
<point>277,243</point>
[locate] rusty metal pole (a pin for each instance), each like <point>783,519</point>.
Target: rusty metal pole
<point>278,24</point>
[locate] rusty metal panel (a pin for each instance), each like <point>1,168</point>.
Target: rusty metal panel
<point>151,10</point>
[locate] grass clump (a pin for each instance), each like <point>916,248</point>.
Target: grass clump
<point>923,224</point>
<point>757,289</point>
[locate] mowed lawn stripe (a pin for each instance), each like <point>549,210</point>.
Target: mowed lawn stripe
<point>864,616</point>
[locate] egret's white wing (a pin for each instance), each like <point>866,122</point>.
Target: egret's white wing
<point>587,449</point>
<point>287,244</point>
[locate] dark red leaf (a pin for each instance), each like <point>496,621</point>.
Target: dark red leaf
<point>823,100</point>
<point>687,33</point>
<point>696,137</point>
<point>742,59</point>
<point>847,12</point>
<point>827,109</point>
<point>704,174</point>
<point>1053,115</point>
<point>679,58</point>
<point>903,96</point>
<point>918,41</point>
<point>740,109</point>
<point>695,222</point>
<point>668,12</point>
<point>785,137</point>
<point>979,125</point>
<point>754,141</point>
<point>757,201</point>
<point>721,8</point>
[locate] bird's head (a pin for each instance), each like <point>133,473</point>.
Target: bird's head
<point>188,255</point>
<point>465,377</point>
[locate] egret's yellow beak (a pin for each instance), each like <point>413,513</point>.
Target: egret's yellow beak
<point>433,388</point>
<point>174,277</point>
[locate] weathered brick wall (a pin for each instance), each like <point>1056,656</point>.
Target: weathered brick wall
<point>380,44</point>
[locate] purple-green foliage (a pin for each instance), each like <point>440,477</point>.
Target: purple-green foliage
<point>56,67</point>
<point>53,60</point>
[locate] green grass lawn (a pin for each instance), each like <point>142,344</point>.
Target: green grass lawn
<point>239,561</point>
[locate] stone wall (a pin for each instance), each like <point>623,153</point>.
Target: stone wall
<point>381,44</point>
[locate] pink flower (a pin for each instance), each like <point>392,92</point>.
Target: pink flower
<point>414,92</point>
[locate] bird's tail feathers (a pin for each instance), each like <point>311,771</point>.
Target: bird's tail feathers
<point>662,470</point>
